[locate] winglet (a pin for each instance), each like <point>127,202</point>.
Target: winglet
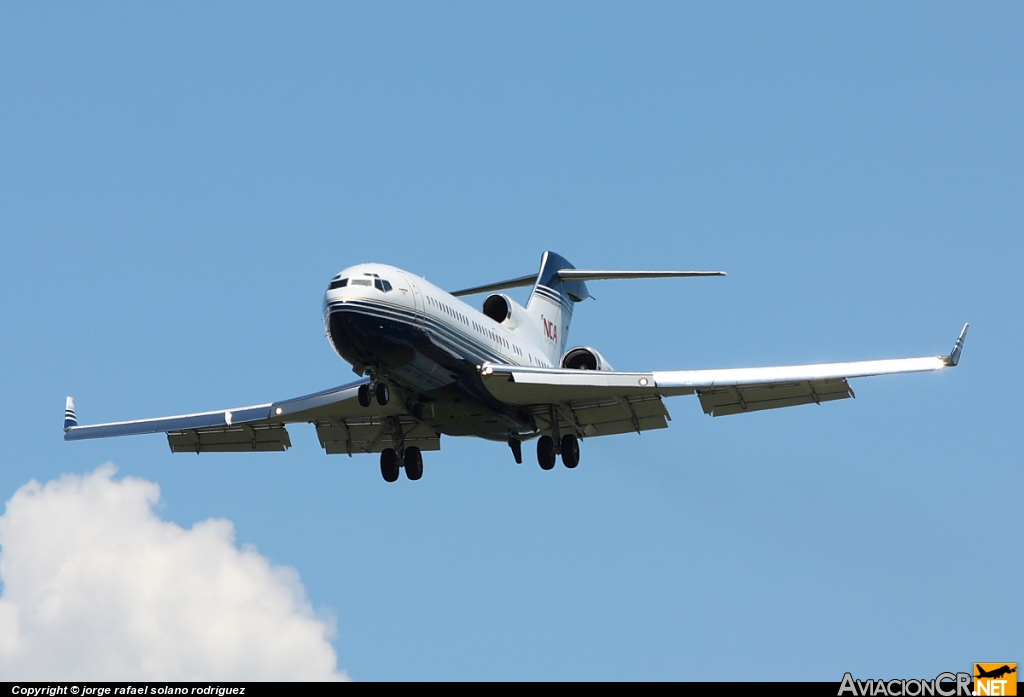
<point>70,420</point>
<point>954,356</point>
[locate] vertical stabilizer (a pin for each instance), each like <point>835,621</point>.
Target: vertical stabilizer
<point>551,304</point>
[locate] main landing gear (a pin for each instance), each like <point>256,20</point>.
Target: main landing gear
<point>367,392</point>
<point>390,463</point>
<point>413,463</point>
<point>570,451</point>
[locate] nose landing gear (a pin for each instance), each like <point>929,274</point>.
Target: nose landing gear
<point>376,389</point>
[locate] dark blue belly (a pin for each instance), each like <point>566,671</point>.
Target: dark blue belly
<point>436,377</point>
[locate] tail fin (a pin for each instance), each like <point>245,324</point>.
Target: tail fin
<point>70,420</point>
<point>551,303</point>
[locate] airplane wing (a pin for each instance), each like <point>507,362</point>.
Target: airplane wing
<point>594,403</point>
<point>342,425</point>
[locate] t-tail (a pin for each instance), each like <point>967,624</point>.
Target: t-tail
<point>551,303</point>
<point>557,288</point>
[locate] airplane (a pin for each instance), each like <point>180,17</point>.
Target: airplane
<point>432,365</point>
<point>996,673</point>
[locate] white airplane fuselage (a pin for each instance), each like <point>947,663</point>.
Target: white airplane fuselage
<point>427,345</point>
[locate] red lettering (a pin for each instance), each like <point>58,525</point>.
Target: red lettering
<point>550,329</point>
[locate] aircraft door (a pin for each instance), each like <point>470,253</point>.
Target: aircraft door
<point>417,296</point>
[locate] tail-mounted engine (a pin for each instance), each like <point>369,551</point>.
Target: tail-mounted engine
<point>584,358</point>
<point>498,307</point>
<point>505,311</point>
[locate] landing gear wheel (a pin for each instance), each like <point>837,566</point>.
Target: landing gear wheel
<point>383,394</point>
<point>570,450</point>
<point>364,395</point>
<point>413,463</point>
<point>546,452</point>
<point>389,465</point>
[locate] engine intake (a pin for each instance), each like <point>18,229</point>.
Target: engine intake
<point>498,307</point>
<point>584,358</point>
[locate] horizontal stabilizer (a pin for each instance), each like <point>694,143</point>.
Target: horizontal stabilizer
<point>502,285</point>
<point>588,275</point>
<point>583,275</point>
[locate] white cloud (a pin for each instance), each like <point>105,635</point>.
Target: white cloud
<point>97,586</point>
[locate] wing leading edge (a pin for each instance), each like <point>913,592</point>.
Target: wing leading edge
<point>721,392</point>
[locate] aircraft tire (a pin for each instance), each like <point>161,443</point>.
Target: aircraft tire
<point>364,395</point>
<point>546,452</point>
<point>389,465</point>
<point>383,394</point>
<point>413,463</point>
<point>570,450</point>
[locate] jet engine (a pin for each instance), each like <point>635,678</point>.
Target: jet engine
<point>584,358</point>
<point>505,311</point>
<point>498,307</point>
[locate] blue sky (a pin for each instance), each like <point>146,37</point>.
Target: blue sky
<point>179,182</point>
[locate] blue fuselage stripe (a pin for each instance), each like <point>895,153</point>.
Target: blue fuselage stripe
<point>555,297</point>
<point>455,342</point>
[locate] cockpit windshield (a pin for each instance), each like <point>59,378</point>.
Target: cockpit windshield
<point>368,280</point>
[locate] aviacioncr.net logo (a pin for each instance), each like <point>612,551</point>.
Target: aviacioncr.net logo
<point>995,679</point>
<point>943,685</point>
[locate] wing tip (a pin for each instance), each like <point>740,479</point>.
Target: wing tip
<point>70,419</point>
<point>954,356</point>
